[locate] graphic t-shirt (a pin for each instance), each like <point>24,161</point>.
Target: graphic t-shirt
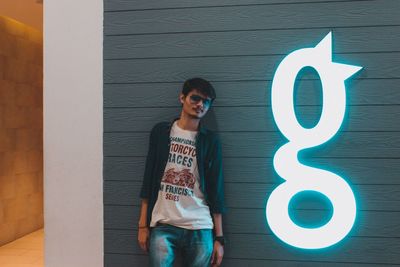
<point>180,201</point>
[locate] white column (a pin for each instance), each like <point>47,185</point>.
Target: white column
<point>73,133</point>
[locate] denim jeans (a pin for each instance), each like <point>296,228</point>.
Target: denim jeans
<point>166,241</point>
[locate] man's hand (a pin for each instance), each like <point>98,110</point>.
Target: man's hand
<point>217,254</point>
<point>143,238</point>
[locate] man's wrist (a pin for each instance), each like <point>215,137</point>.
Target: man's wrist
<point>142,225</point>
<point>220,239</point>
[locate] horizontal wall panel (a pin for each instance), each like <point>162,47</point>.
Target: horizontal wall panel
<point>125,260</point>
<point>290,263</point>
<point>306,15</point>
<point>346,40</point>
<point>359,118</point>
<point>368,197</point>
<point>345,144</point>
<point>376,65</point>
<point>240,195</point>
<point>121,241</point>
<point>260,170</point>
<point>114,5</point>
<point>246,93</point>
<point>131,260</point>
<point>264,144</point>
<point>368,223</point>
<point>380,250</point>
<point>123,168</point>
<point>356,171</point>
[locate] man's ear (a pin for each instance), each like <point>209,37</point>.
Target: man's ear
<point>182,98</point>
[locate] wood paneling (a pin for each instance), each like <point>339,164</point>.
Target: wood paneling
<point>123,5</point>
<point>133,260</point>
<point>151,47</point>
<point>260,170</point>
<point>252,195</point>
<point>377,66</point>
<point>268,247</point>
<point>246,93</point>
<point>260,42</point>
<point>369,223</point>
<point>254,17</point>
<point>264,144</point>
<point>241,119</point>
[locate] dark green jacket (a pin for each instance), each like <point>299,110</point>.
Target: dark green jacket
<point>209,160</point>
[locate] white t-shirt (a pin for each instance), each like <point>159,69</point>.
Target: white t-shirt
<point>180,201</point>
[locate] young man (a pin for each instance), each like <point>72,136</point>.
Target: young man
<point>182,191</point>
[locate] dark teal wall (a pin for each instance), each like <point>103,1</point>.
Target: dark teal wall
<point>151,47</point>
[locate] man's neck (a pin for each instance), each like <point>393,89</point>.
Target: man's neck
<point>188,123</point>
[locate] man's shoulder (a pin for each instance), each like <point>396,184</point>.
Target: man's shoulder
<point>159,130</point>
<point>211,135</point>
<point>160,126</point>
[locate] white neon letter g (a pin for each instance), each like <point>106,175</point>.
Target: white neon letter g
<point>300,177</point>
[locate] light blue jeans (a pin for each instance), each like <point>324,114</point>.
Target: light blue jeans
<point>166,241</point>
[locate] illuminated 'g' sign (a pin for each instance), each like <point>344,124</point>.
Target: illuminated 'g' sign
<point>300,177</point>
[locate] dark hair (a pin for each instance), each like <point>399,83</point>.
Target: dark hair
<point>199,84</point>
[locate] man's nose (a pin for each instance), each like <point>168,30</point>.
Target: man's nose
<point>200,103</point>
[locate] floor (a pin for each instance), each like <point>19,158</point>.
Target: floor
<point>24,252</point>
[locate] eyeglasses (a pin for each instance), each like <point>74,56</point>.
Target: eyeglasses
<point>196,99</point>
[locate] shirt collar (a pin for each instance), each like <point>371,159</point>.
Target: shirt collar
<point>201,128</point>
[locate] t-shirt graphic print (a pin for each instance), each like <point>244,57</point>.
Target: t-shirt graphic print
<point>180,201</point>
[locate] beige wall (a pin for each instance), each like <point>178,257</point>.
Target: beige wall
<point>29,12</point>
<point>21,130</point>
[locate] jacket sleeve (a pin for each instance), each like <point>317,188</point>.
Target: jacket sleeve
<point>149,167</point>
<point>216,178</point>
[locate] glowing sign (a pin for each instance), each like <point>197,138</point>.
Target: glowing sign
<point>299,177</point>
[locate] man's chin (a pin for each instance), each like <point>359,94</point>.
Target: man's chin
<point>196,115</point>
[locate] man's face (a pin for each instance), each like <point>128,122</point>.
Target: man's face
<point>195,104</point>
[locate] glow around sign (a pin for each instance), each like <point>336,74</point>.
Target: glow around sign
<point>299,177</point>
